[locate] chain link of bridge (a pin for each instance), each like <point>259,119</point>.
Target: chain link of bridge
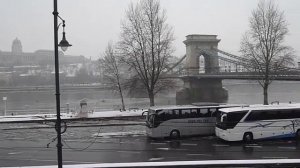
<point>206,66</point>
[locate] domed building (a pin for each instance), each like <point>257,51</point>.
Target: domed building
<point>16,47</point>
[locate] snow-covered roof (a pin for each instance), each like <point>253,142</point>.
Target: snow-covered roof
<point>168,107</point>
<point>262,107</point>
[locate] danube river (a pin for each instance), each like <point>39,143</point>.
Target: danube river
<point>251,92</point>
<point>246,92</point>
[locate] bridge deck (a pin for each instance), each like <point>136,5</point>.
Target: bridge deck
<point>287,76</point>
<point>244,77</point>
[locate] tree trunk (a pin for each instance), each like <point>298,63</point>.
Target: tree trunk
<point>122,98</point>
<point>265,88</point>
<point>123,104</point>
<point>151,97</point>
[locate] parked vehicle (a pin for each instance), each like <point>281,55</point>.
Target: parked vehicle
<point>258,122</point>
<point>186,120</point>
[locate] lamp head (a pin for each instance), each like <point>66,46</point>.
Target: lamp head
<point>64,44</point>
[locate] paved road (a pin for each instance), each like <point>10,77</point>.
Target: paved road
<point>28,147</point>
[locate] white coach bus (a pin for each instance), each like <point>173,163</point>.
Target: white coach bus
<point>258,122</point>
<point>185,120</point>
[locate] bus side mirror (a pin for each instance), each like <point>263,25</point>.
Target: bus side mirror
<point>224,117</point>
<point>144,112</point>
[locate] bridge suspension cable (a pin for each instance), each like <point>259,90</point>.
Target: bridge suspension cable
<point>247,60</point>
<point>177,63</point>
<point>230,55</point>
<point>237,61</point>
<point>233,59</point>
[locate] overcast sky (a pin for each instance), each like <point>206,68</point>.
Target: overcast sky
<point>91,24</point>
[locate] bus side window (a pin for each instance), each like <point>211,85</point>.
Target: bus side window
<point>291,113</point>
<point>194,113</point>
<point>253,116</point>
<point>186,113</point>
<point>213,112</point>
<point>168,114</point>
<point>175,114</point>
<point>162,116</point>
<point>279,114</point>
<point>268,115</point>
<point>199,113</point>
<point>204,112</point>
<point>296,113</point>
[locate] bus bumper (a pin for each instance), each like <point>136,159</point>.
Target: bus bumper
<point>150,132</point>
<point>225,135</point>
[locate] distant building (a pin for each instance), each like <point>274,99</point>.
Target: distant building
<point>40,57</point>
<point>298,65</point>
<point>17,66</point>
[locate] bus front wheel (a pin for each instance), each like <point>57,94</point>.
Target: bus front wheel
<point>248,137</point>
<point>175,134</point>
<point>298,134</point>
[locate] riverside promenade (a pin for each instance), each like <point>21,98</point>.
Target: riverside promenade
<point>131,113</point>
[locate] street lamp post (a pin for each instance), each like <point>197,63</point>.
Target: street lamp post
<point>5,99</point>
<point>63,44</point>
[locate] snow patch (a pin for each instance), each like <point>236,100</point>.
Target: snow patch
<point>128,133</point>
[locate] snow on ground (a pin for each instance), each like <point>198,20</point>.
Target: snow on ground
<point>207,163</point>
<point>126,133</point>
<point>66,116</point>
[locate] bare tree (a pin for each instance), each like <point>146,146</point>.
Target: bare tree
<point>145,44</point>
<point>263,44</point>
<point>110,65</point>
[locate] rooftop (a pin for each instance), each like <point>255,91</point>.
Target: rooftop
<point>263,107</point>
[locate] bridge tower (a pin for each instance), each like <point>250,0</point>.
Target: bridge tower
<point>194,46</point>
<point>196,89</point>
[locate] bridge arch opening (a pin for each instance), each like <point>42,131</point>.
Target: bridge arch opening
<point>201,64</point>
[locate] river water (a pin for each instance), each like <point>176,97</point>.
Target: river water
<point>239,91</point>
<point>250,92</point>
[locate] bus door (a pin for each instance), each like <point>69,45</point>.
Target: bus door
<point>150,118</point>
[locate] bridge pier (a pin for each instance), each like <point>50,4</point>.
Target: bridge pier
<point>201,90</point>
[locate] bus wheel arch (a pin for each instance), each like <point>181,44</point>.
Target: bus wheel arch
<point>174,134</point>
<point>248,137</point>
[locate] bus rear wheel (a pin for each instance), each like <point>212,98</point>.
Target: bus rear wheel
<point>248,137</point>
<point>175,134</point>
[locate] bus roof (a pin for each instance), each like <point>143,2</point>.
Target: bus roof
<point>261,107</point>
<point>168,107</point>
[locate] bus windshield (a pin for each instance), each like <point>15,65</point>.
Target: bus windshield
<point>229,120</point>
